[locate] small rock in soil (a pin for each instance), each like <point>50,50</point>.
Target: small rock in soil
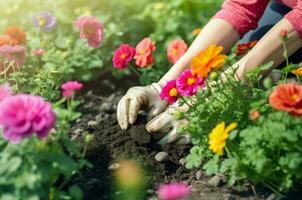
<point>161,156</point>
<point>182,161</point>
<point>150,191</point>
<point>114,166</point>
<point>92,124</point>
<point>198,174</point>
<point>106,106</point>
<point>215,181</point>
<point>140,135</point>
<point>78,131</point>
<point>227,196</point>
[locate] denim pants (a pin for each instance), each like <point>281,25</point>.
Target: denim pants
<point>272,15</point>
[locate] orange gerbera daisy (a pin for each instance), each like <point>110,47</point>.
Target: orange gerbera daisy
<point>298,72</point>
<point>196,31</point>
<point>16,34</point>
<point>209,59</point>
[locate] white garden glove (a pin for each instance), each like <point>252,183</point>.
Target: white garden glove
<point>136,99</point>
<point>166,125</point>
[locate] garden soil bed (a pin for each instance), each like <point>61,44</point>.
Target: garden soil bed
<point>110,143</point>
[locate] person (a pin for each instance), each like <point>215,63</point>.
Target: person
<point>236,19</point>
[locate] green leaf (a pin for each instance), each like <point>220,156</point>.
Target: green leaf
<point>76,192</point>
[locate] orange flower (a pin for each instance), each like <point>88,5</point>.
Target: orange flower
<point>298,72</point>
<point>177,48</point>
<point>196,31</point>
<point>16,34</point>
<point>4,39</point>
<point>209,59</point>
<point>283,33</point>
<point>254,115</point>
<point>243,49</point>
<point>287,97</point>
<point>144,51</point>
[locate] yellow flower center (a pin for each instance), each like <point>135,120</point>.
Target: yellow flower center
<point>173,92</point>
<point>142,51</point>
<point>174,52</point>
<point>88,30</point>
<point>123,56</point>
<point>191,81</point>
<point>295,97</point>
<point>41,20</point>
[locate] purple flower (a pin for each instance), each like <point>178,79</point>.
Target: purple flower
<point>45,21</point>
<point>23,115</point>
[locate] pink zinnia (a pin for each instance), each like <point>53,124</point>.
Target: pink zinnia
<point>23,115</point>
<point>188,84</point>
<point>38,52</point>
<point>144,51</point>
<point>91,29</point>
<point>70,87</point>
<point>169,92</point>
<point>14,54</point>
<point>176,50</point>
<point>122,56</point>
<point>5,91</point>
<point>173,191</point>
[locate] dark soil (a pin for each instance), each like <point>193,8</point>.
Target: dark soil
<point>110,144</point>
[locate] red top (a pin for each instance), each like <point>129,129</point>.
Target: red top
<point>244,15</point>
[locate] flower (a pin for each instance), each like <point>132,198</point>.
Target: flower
<point>169,92</point>
<point>15,54</point>
<point>196,31</point>
<point>218,136</point>
<point>144,51</point>
<point>173,191</point>
<point>4,40</point>
<point>177,48</point>
<point>287,97</point>
<point>23,115</point>
<point>122,56</point>
<point>70,87</point>
<point>298,72</point>
<point>209,59</point>
<point>244,48</point>
<point>188,84</point>
<point>45,21</point>
<point>91,29</point>
<point>16,35</point>
<point>254,115</point>
<point>5,91</point>
<point>38,52</point>
<point>129,174</point>
<point>283,33</point>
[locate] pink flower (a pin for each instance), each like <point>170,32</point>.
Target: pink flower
<point>23,115</point>
<point>14,54</point>
<point>169,92</point>
<point>188,84</point>
<point>90,29</point>
<point>122,56</point>
<point>70,87</point>
<point>176,50</point>
<point>5,91</point>
<point>38,52</point>
<point>173,191</point>
<point>144,51</point>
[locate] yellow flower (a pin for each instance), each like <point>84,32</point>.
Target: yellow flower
<point>218,136</point>
<point>196,31</point>
<point>298,71</point>
<point>209,59</point>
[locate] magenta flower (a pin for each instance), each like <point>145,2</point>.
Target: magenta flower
<point>23,115</point>
<point>122,56</point>
<point>90,29</point>
<point>14,54</point>
<point>5,91</point>
<point>70,87</point>
<point>169,92</point>
<point>188,84</point>
<point>173,191</point>
<point>38,52</point>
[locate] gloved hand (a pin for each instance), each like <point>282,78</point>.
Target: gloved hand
<point>166,126</point>
<point>136,99</point>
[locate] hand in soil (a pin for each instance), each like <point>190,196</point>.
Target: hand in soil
<point>136,99</point>
<point>166,125</point>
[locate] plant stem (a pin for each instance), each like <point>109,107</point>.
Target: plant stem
<point>134,70</point>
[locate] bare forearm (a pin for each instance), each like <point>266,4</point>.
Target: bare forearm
<point>218,32</point>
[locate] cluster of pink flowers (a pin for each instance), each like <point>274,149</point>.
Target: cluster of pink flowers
<point>173,191</point>
<point>91,29</point>
<point>143,54</point>
<point>23,115</point>
<point>70,87</point>
<point>185,85</point>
